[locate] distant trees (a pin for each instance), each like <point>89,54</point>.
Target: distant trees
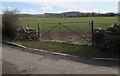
<point>94,14</point>
<point>70,14</point>
<point>79,14</point>
<point>10,22</point>
<point>110,14</point>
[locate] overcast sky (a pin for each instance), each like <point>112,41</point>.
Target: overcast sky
<point>58,6</point>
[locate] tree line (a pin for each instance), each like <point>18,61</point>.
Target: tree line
<point>78,14</point>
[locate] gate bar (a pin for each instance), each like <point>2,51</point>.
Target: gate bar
<point>60,32</point>
<point>70,29</point>
<point>49,30</point>
<point>67,22</point>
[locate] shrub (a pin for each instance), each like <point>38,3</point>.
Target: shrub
<point>10,22</point>
<point>108,40</point>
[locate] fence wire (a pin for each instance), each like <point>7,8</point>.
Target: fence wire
<point>80,32</point>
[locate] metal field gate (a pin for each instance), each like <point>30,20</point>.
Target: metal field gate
<point>80,32</point>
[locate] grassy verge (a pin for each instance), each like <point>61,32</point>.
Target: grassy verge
<point>82,50</point>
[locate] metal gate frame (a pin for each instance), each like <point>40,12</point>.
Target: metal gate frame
<point>62,23</point>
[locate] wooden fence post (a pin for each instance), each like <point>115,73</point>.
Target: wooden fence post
<point>39,31</point>
<point>92,28</point>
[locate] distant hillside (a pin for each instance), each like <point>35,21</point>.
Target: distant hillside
<point>69,14</point>
<point>78,14</point>
<point>32,15</point>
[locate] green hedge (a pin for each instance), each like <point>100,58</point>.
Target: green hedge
<point>108,40</point>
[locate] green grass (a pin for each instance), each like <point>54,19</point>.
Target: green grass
<point>101,22</point>
<point>82,50</point>
<point>36,15</point>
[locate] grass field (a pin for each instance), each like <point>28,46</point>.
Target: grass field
<point>101,22</point>
<point>83,29</point>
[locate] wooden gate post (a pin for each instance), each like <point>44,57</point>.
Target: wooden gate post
<point>92,27</point>
<point>39,31</point>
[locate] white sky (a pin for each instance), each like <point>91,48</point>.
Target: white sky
<point>59,0</point>
<point>58,6</point>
